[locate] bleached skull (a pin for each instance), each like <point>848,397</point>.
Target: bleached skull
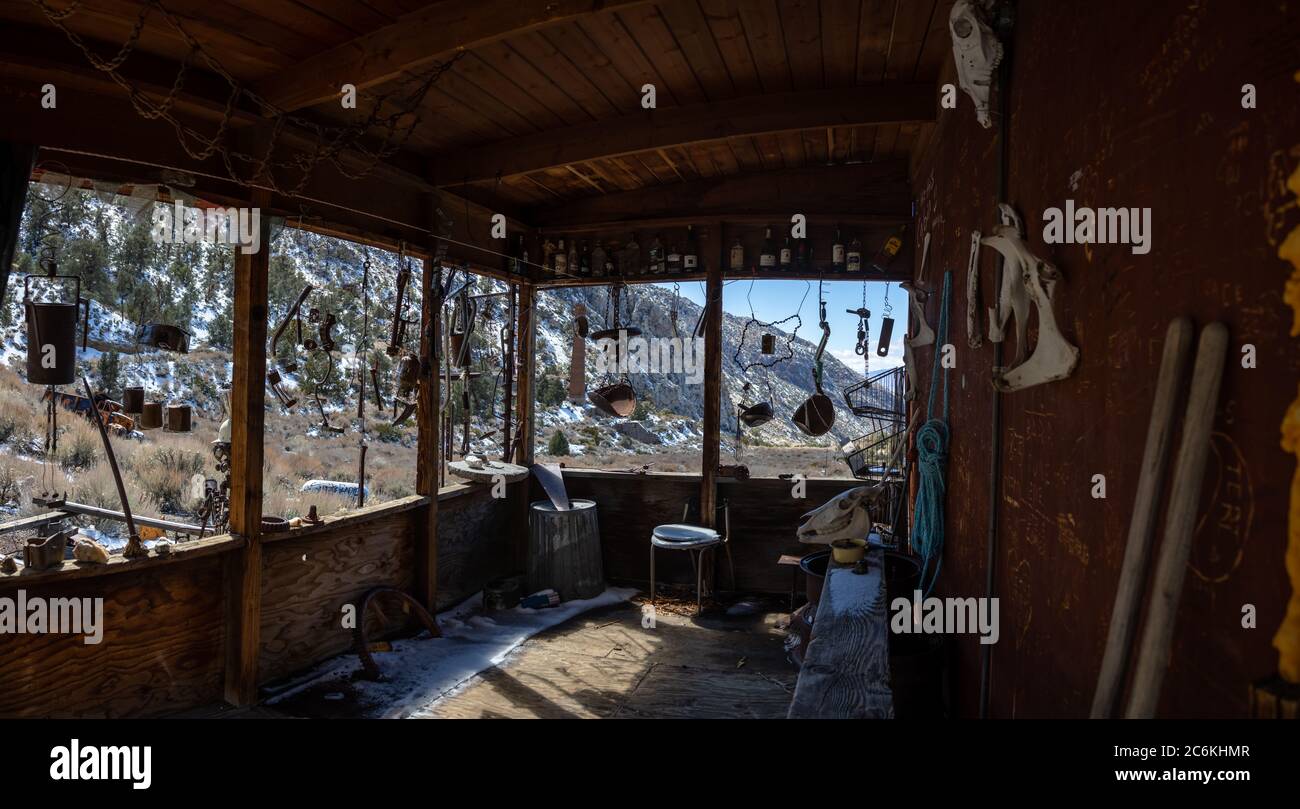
<point>844,516</point>
<point>977,52</point>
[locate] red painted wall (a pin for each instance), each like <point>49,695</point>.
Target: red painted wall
<point>1115,103</point>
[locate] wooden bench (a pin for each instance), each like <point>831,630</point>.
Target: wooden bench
<point>845,672</point>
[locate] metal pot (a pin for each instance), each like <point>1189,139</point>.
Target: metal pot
<point>756,415</point>
<point>618,399</point>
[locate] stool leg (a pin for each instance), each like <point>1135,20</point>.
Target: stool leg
<point>652,574</point>
<point>699,581</point>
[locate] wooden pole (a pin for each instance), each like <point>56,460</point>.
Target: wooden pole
<point>1132,576</point>
<point>429,447</point>
<point>712,372</point>
<point>1180,523</point>
<point>527,371</point>
<point>247,406</point>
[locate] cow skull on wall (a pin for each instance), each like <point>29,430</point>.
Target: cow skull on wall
<point>977,52</point>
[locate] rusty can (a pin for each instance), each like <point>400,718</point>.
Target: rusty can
<point>151,416</point>
<point>179,419</point>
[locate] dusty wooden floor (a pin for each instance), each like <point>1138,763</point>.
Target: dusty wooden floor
<point>604,664</point>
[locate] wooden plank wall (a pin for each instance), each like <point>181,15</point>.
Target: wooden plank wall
<point>1157,121</point>
<point>764,516</point>
<point>165,627</point>
<point>163,646</point>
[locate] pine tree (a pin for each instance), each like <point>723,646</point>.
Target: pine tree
<point>110,374</point>
<point>558,446</point>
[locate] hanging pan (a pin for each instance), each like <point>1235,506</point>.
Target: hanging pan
<point>756,415</point>
<point>617,399</point>
<point>816,416</point>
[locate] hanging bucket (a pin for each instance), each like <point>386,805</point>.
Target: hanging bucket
<point>52,335</point>
<point>164,336</point>
<point>133,400</point>
<point>769,344</point>
<point>618,399</point>
<point>151,417</point>
<point>179,419</point>
<point>460,354</point>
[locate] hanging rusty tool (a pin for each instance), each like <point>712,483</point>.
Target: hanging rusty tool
<point>363,348</point>
<point>273,377</point>
<point>397,336</point>
<point>134,547</point>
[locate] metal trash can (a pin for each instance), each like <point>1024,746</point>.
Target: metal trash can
<point>564,550</point>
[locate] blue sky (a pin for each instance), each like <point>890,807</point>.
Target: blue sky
<point>774,300</point>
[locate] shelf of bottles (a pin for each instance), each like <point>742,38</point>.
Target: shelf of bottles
<point>687,252</point>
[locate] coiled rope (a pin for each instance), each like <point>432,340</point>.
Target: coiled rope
<point>932,461</point>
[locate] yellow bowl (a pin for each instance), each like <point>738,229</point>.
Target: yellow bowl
<point>848,551</point>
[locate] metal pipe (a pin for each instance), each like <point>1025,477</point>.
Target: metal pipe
<point>995,420</point>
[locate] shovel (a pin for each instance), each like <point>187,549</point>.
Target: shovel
<point>816,416</point>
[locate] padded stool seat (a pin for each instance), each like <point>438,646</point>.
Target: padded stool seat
<point>682,537</point>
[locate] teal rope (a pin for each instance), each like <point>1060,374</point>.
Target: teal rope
<point>932,461</point>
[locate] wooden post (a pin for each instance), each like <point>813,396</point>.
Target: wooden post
<point>247,413</point>
<point>527,371</point>
<point>429,448</point>
<point>712,374</point>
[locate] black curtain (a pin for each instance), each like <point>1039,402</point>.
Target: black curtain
<point>16,163</point>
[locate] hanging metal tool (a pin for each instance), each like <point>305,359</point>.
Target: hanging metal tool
<point>816,415</point>
<point>273,377</point>
<point>886,327</point>
<point>617,398</point>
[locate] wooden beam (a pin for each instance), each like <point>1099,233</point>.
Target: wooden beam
<point>247,412</point>
<point>713,251</point>
<point>428,457</point>
<point>524,452</point>
<point>876,191</point>
<point>650,130</point>
<point>416,40</point>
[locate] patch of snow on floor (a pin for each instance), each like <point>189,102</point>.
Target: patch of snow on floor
<point>420,671</point>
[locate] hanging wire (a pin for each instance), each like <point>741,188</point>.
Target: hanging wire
<point>754,321</point>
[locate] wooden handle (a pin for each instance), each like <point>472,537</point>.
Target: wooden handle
<point>1180,523</point>
<point>1173,369</point>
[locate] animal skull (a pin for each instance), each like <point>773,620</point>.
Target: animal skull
<point>1054,357</point>
<point>844,516</point>
<point>977,52</point>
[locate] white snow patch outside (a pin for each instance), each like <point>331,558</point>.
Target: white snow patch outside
<point>419,672</point>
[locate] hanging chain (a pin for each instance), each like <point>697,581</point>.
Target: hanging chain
<point>866,335</point>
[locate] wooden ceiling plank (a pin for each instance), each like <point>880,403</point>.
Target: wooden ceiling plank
<point>525,75</point>
<point>486,75</point>
<point>762,24</point>
<point>457,85</point>
<point>801,22</point>
<point>549,59</point>
<point>359,18</point>
<point>595,64</point>
<point>839,27</point>
<point>729,35</point>
<point>650,32</point>
<point>911,23</point>
<point>938,44</point>
<point>607,33</point>
<point>651,129</point>
<point>415,41</point>
<point>814,145</point>
<point>691,30</point>
<point>281,19</point>
<point>875,31</point>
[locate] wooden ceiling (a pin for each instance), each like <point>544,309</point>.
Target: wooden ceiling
<point>544,108</point>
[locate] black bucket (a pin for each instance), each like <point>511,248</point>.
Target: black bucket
<point>51,336</point>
